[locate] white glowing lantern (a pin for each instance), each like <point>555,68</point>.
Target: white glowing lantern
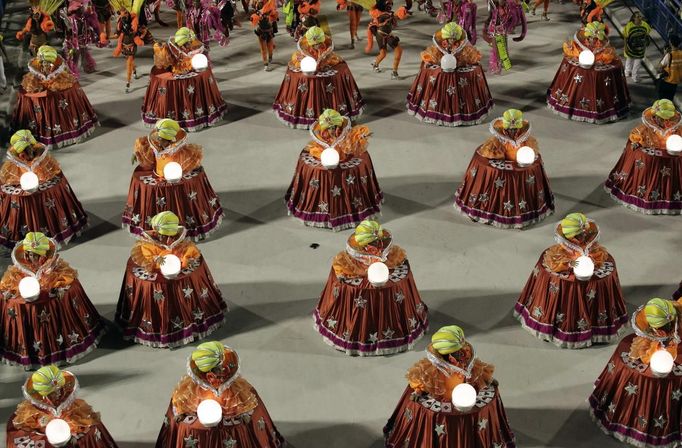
<point>308,65</point>
<point>29,182</point>
<point>377,274</point>
<point>330,158</point>
<point>464,397</point>
<point>210,413</point>
<point>172,172</point>
<point>673,145</point>
<point>199,62</point>
<point>525,156</point>
<point>171,266</point>
<point>584,268</point>
<point>448,63</point>
<point>58,432</point>
<point>586,59</point>
<point>661,363</point>
<point>29,288</point>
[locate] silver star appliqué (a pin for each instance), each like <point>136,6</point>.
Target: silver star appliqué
<point>499,182</point>
<point>631,389</point>
<point>388,333</point>
<point>190,442</point>
<point>331,323</point>
<point>360,302</point>
<point>482,424</point>
<point>336,191</point>
<point>440,430</point>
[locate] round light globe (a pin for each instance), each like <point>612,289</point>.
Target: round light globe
<point>586,59</point>
<point>58,432</point>
<point>308,65</point>
<point>29,182</point>
<point>464,397</point>
<point>210,413</point>
<point>377,274</point>
<point>171,266</point>
<point>199,62</point>
<point>584,268</point>
<point>29,288</point>
<point>661,363</point>
<point>673,145</point>
<point>448,63</point>
<point>525,156</point>
<point>172,172</point>
<point>330,158</point>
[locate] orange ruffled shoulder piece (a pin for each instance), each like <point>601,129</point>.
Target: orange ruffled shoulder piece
<point>346,266</point>
<point>493,148</point>
<point>238,399</point>
<point>354,145</point>
<point>643,348</point>
<point>61,275</point>
<point>162,56</point>
<point>63,81</point>
<point>47,169</point>
<point>80,416</point>
<point>559,258</point>
<point>147,255</point>
<point>646,137</point>
<point>189,157</point>
<point>144,153</point>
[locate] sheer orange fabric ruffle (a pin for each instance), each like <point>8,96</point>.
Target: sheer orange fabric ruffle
<point>80,416</point>
<point>165,59</point>
<point>644,136</point>
<point>347,267</point>
<point>606,56</point>
<point>643,348</point>
<point>189,156</point>
<point>236,400</point>
<point>10,173</point>
<point>33,84</point>
<point>328,61</point>
<point>353,145</point>
<point>559,258</point>
<point>493,148</point>
<point>424,377</point>
<point>62,275</point>
<point>468,56</point>
<point>148,255</point>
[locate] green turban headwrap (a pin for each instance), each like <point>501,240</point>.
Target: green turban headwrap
<point>330,119</point>
<point>512,119</point>
<point>47,380</point>
<point>36,243</point>
<point>595,29</point>
<point>21,140</point>
<point>664,109</point>
<point>166,223</point>
<point>574,224</point>
<point>314,35</point>
<point>208,355</point>
<point>367,232</point>
<point>448,340</point>
<point>167,129</point>
<point>47,53</point>
<point>451,30</point>
<point>659,312</point>
<point>184,35</point>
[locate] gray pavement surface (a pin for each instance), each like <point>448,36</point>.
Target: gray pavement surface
<point>468,274</point>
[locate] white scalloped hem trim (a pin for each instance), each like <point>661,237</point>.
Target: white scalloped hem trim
<point>644,211</point>
<point>499,225</point>
<point>625,439</point>
<point>194,337</point>
<point>611,119</point>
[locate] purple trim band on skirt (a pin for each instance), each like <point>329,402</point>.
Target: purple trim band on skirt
<point>462,119</point>
<point>340,222</point>
<point>587,116</point>
<point>69,137</point>
<point>305,122</point>
<point>392,346</point>
<point>62,237</point>
<point>189,333</point>
<point>199,232</point>
<point>531,216</point>
<point>655,207</point>
<point>196,123</point>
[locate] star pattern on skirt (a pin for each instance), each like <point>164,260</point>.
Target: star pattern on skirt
<point>440,430</point>
<point>530,180</point>
<point>677,394</point>
<point>373,338</point>
<point>336,191</point>
<point>660,422</point>
<point>665,171</point>
<point>331,323</point>
<point>191,442</point>
<point>631,389</point>
<point>388,333</point>
<point>499,182</point>
<point>360,302</point>
<point>482,424</point>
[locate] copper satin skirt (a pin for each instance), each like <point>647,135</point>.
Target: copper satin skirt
<point>96,436</point>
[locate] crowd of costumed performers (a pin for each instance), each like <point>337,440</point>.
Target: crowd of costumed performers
<point>168,297</point>
<point>370,305</point>
<point>169,176</point>
<point>590,84</point>
<point>132,33</point>
<point>636,398</point>
<point>381,26</point>
<point>334,185</point>
<point>317,78</point>
<point>647,176</point>
<point>214,406</point>
<point>81,29</point>
<point>451,400</point>
<point>51,103</point>
<point>35,194</point>
<point>505,184</point>
<point>52,415</point>
<point>573,296</point>
<point>504,18</point>
<point>450,88</point>
<point>45,315</point>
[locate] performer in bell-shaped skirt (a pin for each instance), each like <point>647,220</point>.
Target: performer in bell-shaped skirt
<point>169,175</point>
<point>52,104</point>
<point>590,84</point>
<point>433,411</point>
<point>168,297</point>
<point>647,177</point>
<point>45,315</point>
<point>34,194</point>
<point>51,415</point>
<point>334,185</point>
<point>326,84</point>
<point>450,88</point>
<point>505,184</point>
<point>637,399</point>
<point>573,296</point>
<point>182,85</point>
<point>213,406</point>
<point>370,305</point>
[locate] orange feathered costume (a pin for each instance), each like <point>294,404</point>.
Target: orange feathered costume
<point>32,83</point>
<point>149,254</point>
<point>60,275</point>
<point>468,55</point>
<point>322,54</point>
<point>167,58</point>
<point>559,257</point>
<point>603,51</point>
<point>189,155</point>
<point>46,169</point>
<point>643,348</point>
<point>353,145</point>
<point>646,136</point>
<point>497,148</point>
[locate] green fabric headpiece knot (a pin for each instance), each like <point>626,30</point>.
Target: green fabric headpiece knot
<point>512,119</point>
<point>451,30</point>
<point>314,35</point>
<point>664,109</point>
